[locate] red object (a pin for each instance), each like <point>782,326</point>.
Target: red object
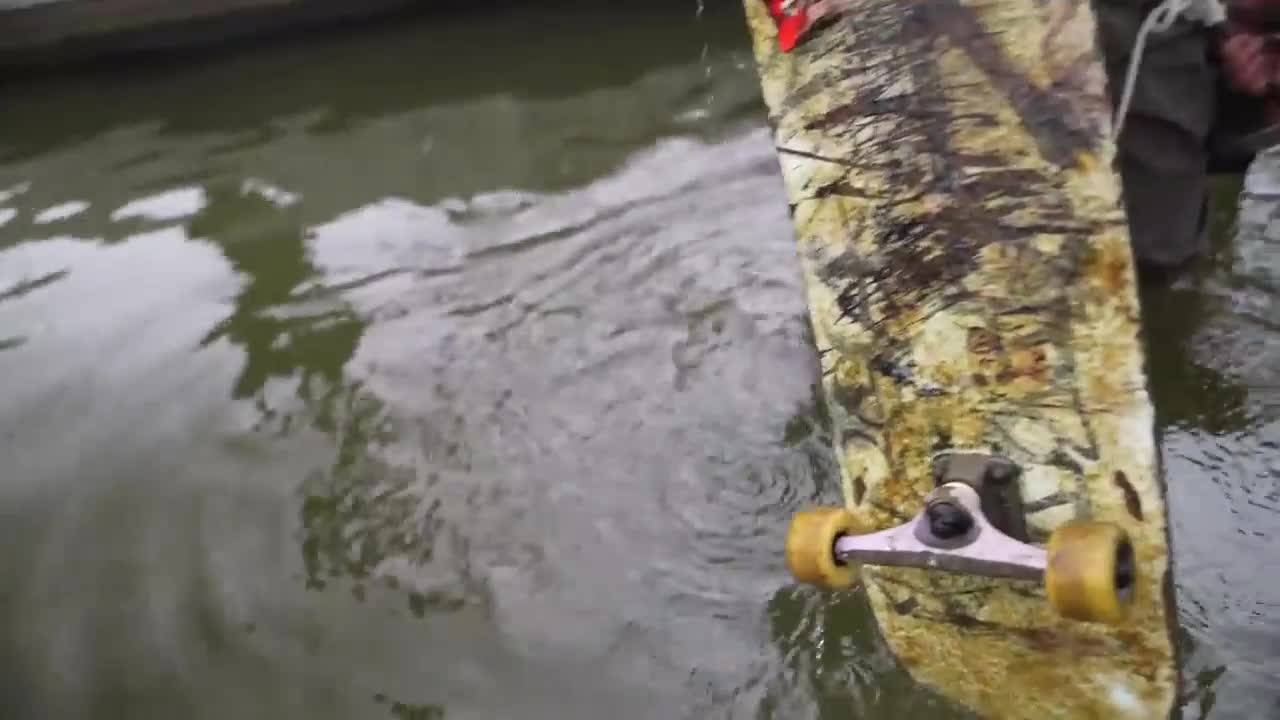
<point>790,27</point>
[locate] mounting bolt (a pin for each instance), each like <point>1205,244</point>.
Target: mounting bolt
<point>948,520</point>
<point>1000,472</point>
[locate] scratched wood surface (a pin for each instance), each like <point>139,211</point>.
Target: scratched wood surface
<point>948,169</point>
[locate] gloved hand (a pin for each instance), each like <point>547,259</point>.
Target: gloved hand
<point>1248,62</point>
<point>1248,47</point>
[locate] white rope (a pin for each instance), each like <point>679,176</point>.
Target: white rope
<point>1160,19</point>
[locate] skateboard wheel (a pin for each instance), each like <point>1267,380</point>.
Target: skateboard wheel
<point>811,542</point>
<point>1090,572</point>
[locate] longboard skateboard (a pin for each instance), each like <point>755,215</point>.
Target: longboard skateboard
<point>948,167</point>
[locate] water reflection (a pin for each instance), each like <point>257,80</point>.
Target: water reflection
<point>308,340</point>
<point>1214,370</point>
<point>836,665</point>
<point>1188,393</point>
<point>472,356</point>
<point>404,711</point>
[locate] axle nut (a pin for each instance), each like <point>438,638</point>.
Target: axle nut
<point>948,520</point>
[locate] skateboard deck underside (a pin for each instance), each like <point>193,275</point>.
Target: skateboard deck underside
<point>948,167</point>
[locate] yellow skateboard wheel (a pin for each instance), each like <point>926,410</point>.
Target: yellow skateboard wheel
<point>811,542</point>
<point>1090,572</point>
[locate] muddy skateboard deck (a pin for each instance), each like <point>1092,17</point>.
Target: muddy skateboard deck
<point>948,167</point>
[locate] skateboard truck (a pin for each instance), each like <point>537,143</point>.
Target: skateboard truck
<point>951,533</point>
<point>968,525</point>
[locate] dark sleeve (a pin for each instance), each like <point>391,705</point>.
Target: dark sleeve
<point>1258,16</point>
<point>1161,154</point>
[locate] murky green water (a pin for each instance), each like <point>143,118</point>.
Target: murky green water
<point>459,370</point>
